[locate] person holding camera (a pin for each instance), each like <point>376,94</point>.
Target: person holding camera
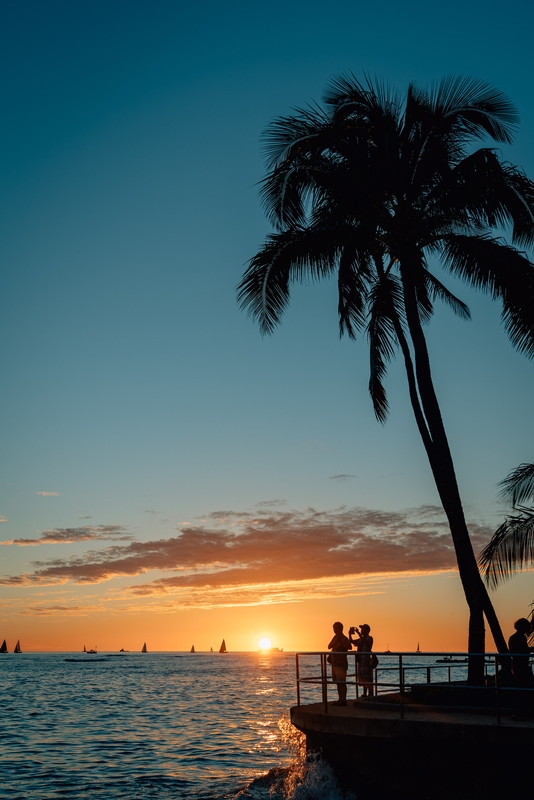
<point>337,658</point>
<point>364,645</point>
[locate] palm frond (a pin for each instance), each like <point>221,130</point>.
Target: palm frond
<point>438,291</point>
<point>292,255</point>
<point>489,264</point>
<point>510,550</point>
<point>386,303</point>
<point>518,486</point>
<point>286,136</point>
<point>478,108</point>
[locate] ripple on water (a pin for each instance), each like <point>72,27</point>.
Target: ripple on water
<point>140,727</point>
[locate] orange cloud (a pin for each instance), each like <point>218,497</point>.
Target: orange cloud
<point>267,548</point>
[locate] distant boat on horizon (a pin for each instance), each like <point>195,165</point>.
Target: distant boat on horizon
<point>192,648</point>
<point>17,647</point>
<point>84,650</point>
<point>144,650</point>
<point>3,649</point>
<point>92,652</point>
<point>211,649</point>
<point>222,648</point>
<point>122,650</point>
<point>418,651</point>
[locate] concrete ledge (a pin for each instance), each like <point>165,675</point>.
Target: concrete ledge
<point>430,753</point>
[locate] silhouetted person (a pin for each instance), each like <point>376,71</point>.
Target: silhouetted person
<point>339,646</point>
<point>364,645</point>
<point>517,644</point>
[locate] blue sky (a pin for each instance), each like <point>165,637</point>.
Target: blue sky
<point>136,394</point>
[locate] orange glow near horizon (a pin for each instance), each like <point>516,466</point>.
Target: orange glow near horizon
<point>408,609</point>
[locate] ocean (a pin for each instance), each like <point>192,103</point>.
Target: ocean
<point>200,726</point>
<point>136,726</point>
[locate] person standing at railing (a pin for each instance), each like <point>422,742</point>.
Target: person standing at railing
<point>364,645</point>
<point>522,672</point>
<point>339,646</point>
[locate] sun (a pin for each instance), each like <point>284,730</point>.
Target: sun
<point>264,644</point>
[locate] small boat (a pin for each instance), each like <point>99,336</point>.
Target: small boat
<point>418,651</point>
<point>222,648</point>
<point>211,649</point>
<point>144,650</point>
<point>17,647</point>
<point>122,650</point>
<point>3,649</point>
<point>92,652</point>
<point>192,648</point>
<point>84,650</point>
<point>451,660</point>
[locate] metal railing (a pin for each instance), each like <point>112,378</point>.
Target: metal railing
<point>402,665</point>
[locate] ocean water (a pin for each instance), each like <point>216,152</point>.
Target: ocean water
<point>155,725</point>
<point>164,725</point>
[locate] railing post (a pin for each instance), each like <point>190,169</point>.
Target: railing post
<point>428,674</point>
<point>497,693</point>
<point>324,677</point>
<point>401,683</point>
<point>298,677</point>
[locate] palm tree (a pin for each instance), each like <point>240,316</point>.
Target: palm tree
<point>511,547</point>
<point>371,187</point>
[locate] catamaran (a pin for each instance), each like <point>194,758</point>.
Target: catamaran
<point>222,648</point>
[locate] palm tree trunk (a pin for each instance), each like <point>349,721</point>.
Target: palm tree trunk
<point>444,475</point>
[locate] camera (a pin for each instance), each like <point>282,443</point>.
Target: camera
<point>353,630</point>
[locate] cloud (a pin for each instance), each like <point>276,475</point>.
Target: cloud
<point>2,519</point>
<point>53,611</point>
<point>86,533</point>
<point>342,477</point>
<point>268,556</point>
<point>48,494</point>
<point>85,517</point>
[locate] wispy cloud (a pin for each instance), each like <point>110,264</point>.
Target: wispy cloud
<point>48,494</point>
<point>55,611</point>
<point>2,519</point>
<point>244,557</point>
<point>85,533</point>
<point>342,477</point>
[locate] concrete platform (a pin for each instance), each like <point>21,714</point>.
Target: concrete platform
<point>431,753</point>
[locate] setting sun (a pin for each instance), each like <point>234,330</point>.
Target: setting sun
<point>264,644</point>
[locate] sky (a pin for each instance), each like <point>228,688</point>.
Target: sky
<point>167,474</point>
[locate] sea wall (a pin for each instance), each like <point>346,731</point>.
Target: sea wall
<point>430,755</point>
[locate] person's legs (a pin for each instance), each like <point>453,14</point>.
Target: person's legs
<point>339,676</point>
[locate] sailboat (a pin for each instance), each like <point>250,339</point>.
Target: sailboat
<point>222,648</point>
<point>84,649</point>
<point>418,651</point>
<point>144,650</point>
<point>3,649</point>
<point>211,649</point>
<point>17,647</point>
<point>192,648</point>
